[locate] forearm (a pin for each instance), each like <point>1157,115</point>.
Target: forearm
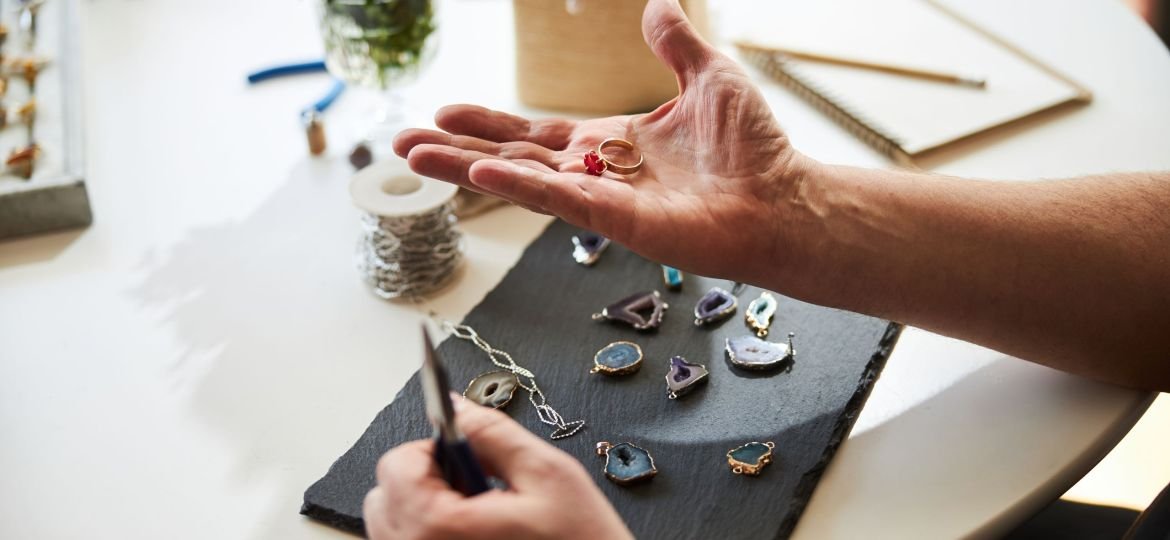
<point>1074,274</point>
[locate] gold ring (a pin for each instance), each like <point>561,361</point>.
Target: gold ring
<point>617,168</point>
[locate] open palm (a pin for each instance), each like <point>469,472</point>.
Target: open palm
<point>716,162</point>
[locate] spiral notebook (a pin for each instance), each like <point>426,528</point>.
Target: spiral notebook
<point>905,117</point>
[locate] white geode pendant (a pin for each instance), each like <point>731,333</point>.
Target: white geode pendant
<point>750,352</point>
<point>588,247</point>
<point>492,389</point>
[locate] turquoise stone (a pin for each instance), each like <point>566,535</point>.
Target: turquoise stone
<point>618,358</point>
<point>672,277</point>
<point>750,453</point>
<point>760,312</point>
<point>627,464</point>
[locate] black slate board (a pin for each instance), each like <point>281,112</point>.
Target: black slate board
<point>540,313</point>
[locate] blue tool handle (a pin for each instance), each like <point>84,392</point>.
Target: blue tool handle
<point>286,69</point>
<point>329,97</point>
<point>459,467</point>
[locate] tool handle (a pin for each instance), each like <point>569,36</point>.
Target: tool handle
<point>286,69</point>
<point>459,467</point>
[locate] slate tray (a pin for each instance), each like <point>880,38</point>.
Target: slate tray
<point>540,313</point>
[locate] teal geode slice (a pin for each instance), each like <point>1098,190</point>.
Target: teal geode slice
<point>750,458</point>
<point>625,463</point>
<point>618,358</point>
<point>672,277</point>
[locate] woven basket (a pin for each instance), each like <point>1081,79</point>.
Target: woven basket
<point>594,61</point>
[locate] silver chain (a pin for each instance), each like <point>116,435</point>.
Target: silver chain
<point>503,360</point>
<point>409,256</point>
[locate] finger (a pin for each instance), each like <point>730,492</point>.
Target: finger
<point>483,123</point>
<point>410,138</point>
<point>376,514</point>
<point>582,200</point>
<point>506,448</point>
<point>674,40</point>
<point>409,466</point>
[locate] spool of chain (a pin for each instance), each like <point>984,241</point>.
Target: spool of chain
<point>409,245</point>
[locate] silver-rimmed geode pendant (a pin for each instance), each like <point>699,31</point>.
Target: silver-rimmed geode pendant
<point>751,458</point>
<point>617,358</point>
<point>492,389</point>
<point>714,306</point>
<point>672,277</point>
<point>588,247</point>
<point>751,352</point>
<point>760,312</point>
<point>683,377</point>
<point>643,311</point>
<point>625,463</point>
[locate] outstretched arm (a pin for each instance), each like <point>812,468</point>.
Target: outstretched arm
<point>1073,274</point>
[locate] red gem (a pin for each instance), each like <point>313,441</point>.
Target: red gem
<point>593,163</point>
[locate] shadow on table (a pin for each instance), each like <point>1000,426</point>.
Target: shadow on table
<point>287,354</point>
<point>1064,519</point>
<point>38,248</point>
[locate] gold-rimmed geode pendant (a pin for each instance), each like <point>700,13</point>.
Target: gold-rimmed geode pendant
<point>618,358</point>
<point>751,458</point>
<point>626,464</point>
<point>760,312</point>
<point>492,389</point>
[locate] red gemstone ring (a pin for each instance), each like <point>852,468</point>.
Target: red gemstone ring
<point>596,162</point>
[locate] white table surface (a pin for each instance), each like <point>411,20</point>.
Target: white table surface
<point>188,365</point>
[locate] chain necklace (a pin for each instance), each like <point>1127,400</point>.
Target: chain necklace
<point>409,256</point>
<point>526,378</point>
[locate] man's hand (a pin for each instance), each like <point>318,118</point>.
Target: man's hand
<point>717,166</point>
<point>550,495</point>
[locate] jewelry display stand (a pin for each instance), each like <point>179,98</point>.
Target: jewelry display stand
<point>55,196</point>
<point>540,313</point>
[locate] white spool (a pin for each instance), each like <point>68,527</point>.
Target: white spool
<point>409,245</point>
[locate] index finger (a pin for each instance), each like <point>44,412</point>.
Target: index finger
<point>497,126</point>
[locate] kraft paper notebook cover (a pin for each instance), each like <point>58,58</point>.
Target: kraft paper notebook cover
<point>902,116</point>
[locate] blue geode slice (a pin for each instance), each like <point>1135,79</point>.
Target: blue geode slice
<point>750,352</point>
<point>672,277</point>
<point>588,247</point>
<point>760,312</point>
<point>618,358</point>
<point>683,376</point>
<point>626,464</point>
<point>716,305</point>
<point>750,458</point>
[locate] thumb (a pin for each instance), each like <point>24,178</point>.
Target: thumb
<point>506,448</point>
<point>674,40</point>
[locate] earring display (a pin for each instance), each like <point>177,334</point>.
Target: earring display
<point>588,247</point>
<point>714,306</point>
<point>626,464</point>
<point>492,389</point>
<point>750,352</point>
<point>643,311</point>
<point>618,358</point>
<point>684,377</point>
<point>760,312</point>
<point>751,458</point>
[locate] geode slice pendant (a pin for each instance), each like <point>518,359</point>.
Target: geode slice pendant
<point>643,311</point>
<point>751,458</point>
<point>618,358</point>
<point>492,389</point>
<point>683,377</point>
<point>750,352</point>
<point>759,313</point>
<point>714,306</point>
<point>588,247</point>
<point>625,463</point>
<point>672,277</point>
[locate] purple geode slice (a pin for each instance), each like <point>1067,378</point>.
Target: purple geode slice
<point>643,311</point>
<point>684,376</point>
<point>716,305</point>
<point>588,247</point>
